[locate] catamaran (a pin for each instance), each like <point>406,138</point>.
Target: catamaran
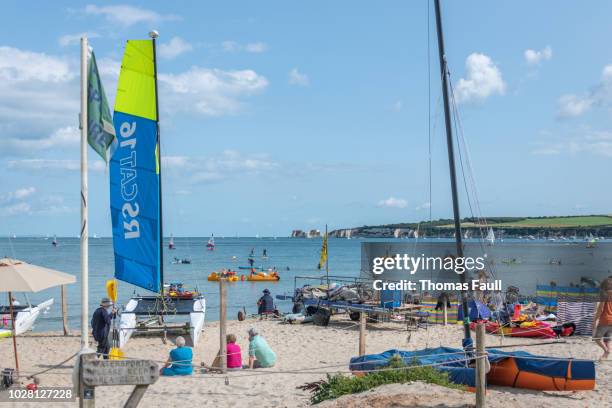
<point>25,316</point>
<point>210,245</point>
<point>136,205</point>
<point>171,243</point>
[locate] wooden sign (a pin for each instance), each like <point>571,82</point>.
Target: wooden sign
<point>119,372</point>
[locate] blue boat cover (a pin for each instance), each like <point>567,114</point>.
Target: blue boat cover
<point>448,359</point>
<point>477,311</point>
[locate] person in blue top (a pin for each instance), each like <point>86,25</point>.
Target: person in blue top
<point>180,360</point>
<point>260,353</point>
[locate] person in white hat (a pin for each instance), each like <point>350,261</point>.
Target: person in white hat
<point>100,324</point>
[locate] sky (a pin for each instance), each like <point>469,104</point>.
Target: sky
<point>289,115</point>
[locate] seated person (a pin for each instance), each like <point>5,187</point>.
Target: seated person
<point>180,360</point>
<point>260,353</point>
<point>234,354</point>
<point>265,304</point>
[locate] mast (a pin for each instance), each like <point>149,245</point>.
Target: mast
<point>451,164</point>
<point>154,34</point>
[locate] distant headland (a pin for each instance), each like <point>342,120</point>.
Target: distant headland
<point>557,227</point>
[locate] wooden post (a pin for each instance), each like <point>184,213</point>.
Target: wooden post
<point>136,395</point>
<point>362,333</point>
<point>12,312</point>
<point>64,310</point>
<point>445,313</point>
<point>87,395</point>
<point>222,326</point>
<point>481,375</point>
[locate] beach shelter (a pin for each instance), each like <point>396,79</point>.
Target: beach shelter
<point>18,276</point>
<point>477,311</point>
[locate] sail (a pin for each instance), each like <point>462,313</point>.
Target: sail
<point>491,236</point>
<point>134,171</point>
<point>323,259</point>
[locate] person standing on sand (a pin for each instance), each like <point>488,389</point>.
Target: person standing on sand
<point>100,323</point>
<point>260,353</point>
<point>602,319</point>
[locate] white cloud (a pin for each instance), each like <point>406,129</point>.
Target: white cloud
<point>226,165</point>
<point>533,57</point>
<point>393,202</point>
<point>298,78</point>
<point>397,106</point>
<point>38,93</point>
<point>572,105</point>
<point>19,194</point>
<point>73,39</point>
<point>20,66</point>
<point>423,206</point>
<point>126,15</point>
<point>254,47</point>
<point>63,137</point>
<point>23,193</point>
<point>211,92</point>
<point>483,79</point>
<point>593,142</point>
<point>15,209</point>
<point>13,202</point>
<point>53,164</point>
<point>175,47</point>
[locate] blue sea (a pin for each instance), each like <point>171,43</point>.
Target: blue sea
<point>301,256</point>
<point>532,263</point>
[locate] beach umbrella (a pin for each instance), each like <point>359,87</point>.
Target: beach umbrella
<point>18,276</point>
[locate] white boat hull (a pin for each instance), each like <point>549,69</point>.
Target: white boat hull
<point>129,321</point>
<point>24,319</point>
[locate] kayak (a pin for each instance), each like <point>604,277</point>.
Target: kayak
<point>263,277</point>
<point>261,268</point>
<point>532,329</point>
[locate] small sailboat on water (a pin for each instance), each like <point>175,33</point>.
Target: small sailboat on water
<point>171,243</point>
<point>210,245</point>
<point>490,236</point>
<point>54,242</point>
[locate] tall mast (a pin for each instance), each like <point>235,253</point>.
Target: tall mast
<point>154,34</point>
<point>451,164</point>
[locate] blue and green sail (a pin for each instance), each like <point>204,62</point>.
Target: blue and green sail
<point>135,171</point>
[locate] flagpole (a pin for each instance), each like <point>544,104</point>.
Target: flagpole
<point>327,259</point>
<point>84,193</point>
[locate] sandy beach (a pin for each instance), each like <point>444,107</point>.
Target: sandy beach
<point>312,351</point>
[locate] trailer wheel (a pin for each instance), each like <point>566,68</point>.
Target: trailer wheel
<point>321,317</point>
<point>311,310</point>
<point>297,308</point>
<point>354,316</point>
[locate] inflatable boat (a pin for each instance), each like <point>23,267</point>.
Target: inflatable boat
<point>517,369</point>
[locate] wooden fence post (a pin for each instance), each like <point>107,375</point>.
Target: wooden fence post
<point>445,313</point>
<point>481,375</point>
<point>222,326</point>
<point>64,310</point>
<point>87,395</point>
<point>362,333</point>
